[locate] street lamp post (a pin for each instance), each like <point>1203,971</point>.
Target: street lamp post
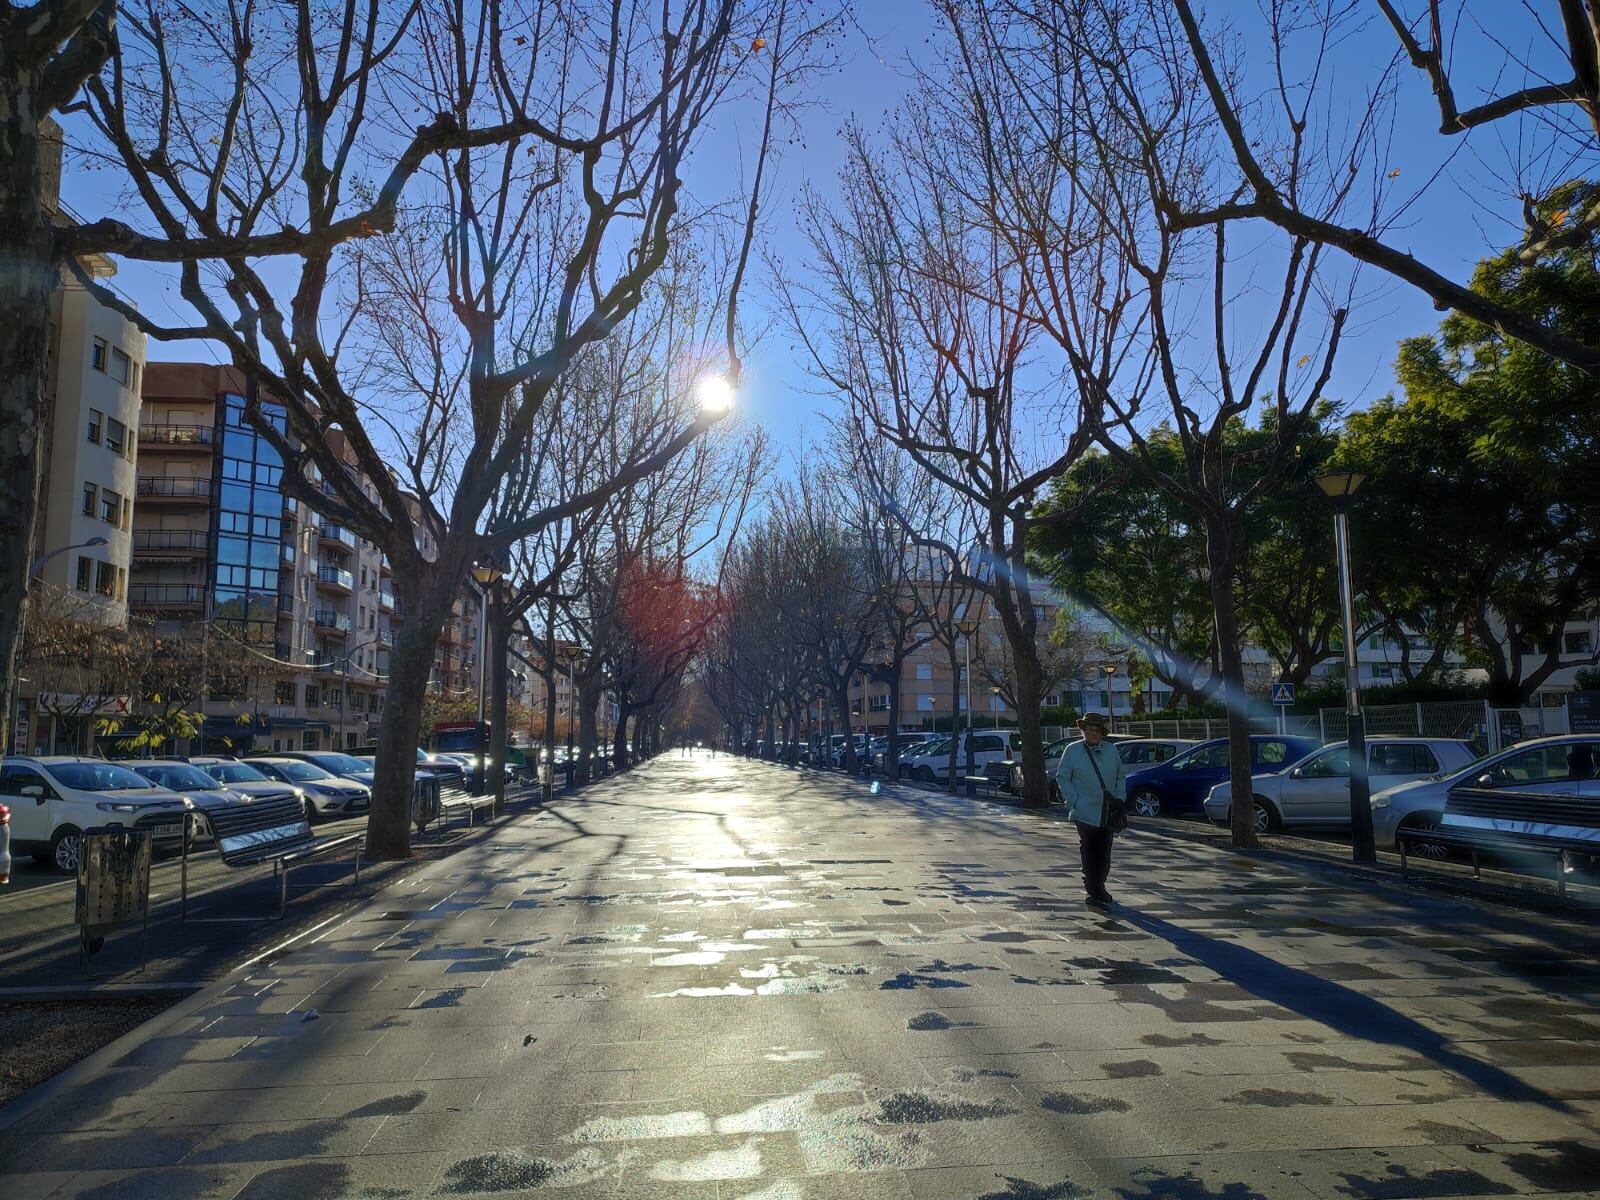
<point>968,626</point>
<point>487,572</point>
<point>1339,488</point>
<point>1109,670</point>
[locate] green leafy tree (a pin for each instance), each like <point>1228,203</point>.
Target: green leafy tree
<point>1481,512</point>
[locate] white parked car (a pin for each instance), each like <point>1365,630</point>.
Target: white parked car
<point>54,798</point>
<point>1316,789</point>
<point>988,746</point>
<point>1560,765</point>
<point>326,795</point>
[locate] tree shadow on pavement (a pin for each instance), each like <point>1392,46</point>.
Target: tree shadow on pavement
<point>1340,1008</point>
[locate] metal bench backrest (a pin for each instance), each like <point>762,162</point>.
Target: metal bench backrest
<point>1533,815</point>
<point>250,832</point>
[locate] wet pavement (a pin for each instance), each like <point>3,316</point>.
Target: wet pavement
<point>718,978</point>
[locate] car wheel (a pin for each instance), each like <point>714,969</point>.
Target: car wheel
<point>1422,848</point>
<point>924,774</point>
<point>1266,817</point>
<point>311,812</point>
<point>1055,793</point>
<point>65,844</point>
<point>1145,804</point>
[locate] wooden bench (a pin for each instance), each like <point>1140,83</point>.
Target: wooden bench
<point>459,799</point>
<point>274,831</point>
<point>1563,826</point>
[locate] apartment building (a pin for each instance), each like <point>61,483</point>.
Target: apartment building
<point>82,531</point>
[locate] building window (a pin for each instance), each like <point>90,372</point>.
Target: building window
<point>283,692</point>
<point>1578,641</point>
<point>85,567</point>
<point>116,435</point>
<point>308,740</point>
<point>1381,672</point>
<point>924,671</point>
<point>110,507</point>
<point>127,514</point>
<point>90,494</point>
<point>105,579</point>
<point>96,419</point>
<point>97,354</point>
<point>350,741</point>
<point>311,695</point>
<point>121,366</point>
<point>924,703</point>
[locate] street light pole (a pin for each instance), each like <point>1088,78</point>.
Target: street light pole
<point>1339,488</point>
<point>968,627</point>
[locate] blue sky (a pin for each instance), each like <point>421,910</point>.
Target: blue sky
<point>1462,220</point>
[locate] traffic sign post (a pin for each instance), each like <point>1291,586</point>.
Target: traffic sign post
<point>1282,698</point>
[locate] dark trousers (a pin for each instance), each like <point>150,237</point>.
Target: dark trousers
<point>1094,844</point>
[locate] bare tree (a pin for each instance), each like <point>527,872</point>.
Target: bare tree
<point>1542,126</point>
<point>1157,312</point>
<point>518,225</point>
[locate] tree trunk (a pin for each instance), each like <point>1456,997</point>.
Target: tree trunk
<point>1221,553</point>
<point>891,753</point>
<point>494,648</point>
<point>585,696</point>
<point>955,717</point>
<point>619,741</point>
<point>1035,782</point>
<point>27,277</point>
<point>411,660</point>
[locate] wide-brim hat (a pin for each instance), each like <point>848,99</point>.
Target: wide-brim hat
<point>1095,719</point>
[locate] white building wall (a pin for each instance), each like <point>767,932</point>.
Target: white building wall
<point>94,443</point>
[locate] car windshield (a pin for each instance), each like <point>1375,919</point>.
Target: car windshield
<point>98,777</point>
<point>303,772</point>
<point>340,762</point>
<point>178,775</point>
<point>234,772</point>
<point>1058,747</point>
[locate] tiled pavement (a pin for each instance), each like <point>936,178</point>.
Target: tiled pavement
<point>716,978</point>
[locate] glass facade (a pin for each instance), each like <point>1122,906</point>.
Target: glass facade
<point>249,528</point>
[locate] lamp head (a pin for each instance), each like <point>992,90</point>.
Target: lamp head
<point>967,626</point>
<point>95,541</point>
<point>1339,486</point>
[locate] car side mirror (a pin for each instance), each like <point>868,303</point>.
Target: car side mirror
<point>34,790</point>
<point>1486,780</point>
<point>1298,773</point>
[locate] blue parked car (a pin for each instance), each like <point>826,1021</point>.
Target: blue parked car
<point>1181,784</point>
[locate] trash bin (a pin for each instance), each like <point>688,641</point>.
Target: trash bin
<point>113,886</point>
<point>424,802</point>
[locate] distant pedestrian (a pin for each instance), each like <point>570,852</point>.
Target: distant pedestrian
<point>1094,787</point>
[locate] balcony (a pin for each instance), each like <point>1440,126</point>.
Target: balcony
<point>331,621</point>
<point>329,666</point>
<point>338,535</point>
<point>157,488</point>
<point>283,652</point>
<point>285,606</point>
<point>385,639</point>
<point>383,563</point>
<point>167,595</point>
<point>336,579</point>
<point>177,543</point>
<point>450,635</point>
<point>176,437</point>
<point>386,601</point>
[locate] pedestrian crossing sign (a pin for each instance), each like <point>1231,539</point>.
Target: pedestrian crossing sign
<point>1283,693</point>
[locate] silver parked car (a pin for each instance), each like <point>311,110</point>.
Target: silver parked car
<point>193,784</point>
<point>326,794</point>
<point>1316,790</point>
<point>1560,765</point>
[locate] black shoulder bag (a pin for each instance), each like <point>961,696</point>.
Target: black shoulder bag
<point>1116,813</point>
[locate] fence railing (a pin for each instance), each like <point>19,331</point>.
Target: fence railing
<point>169,539</point>
<point>161,485</point>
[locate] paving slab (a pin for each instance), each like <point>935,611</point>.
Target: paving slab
<point>718,978</point>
